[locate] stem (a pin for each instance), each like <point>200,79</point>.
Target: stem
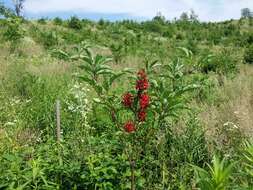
<point>164,175</point>
<point>58,121</point>
<point>132,175</point>
<point>132,166</point>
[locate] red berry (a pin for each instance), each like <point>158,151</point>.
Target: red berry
<point>144,101</point>
<point>127,100</point>
<point>129,127</point>
<point>142,115</point>
<point>142,84</point>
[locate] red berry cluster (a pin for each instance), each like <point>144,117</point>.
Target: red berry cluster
<point>129,127</point>
<point>127,100</point>
<point>142,82</point>
<point>141,101</point>
<point>144,101</point>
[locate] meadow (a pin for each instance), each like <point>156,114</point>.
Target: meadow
<point>148,105</point>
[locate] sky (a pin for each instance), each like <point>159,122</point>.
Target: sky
<point>207,10</point>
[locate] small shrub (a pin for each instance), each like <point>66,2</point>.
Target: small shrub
<point>216,177</point>
<point>192,46</point>
<point>249,38</point>
<point>57,21</point>
<point>222,63</point>
<point>49,38</point>
<point>42,21</point>
<point>75,23</point>
<point>248,161</point>
<point>117,53</point>
<point>248,55</point>
<point>134,118</point>
<point>101,22</point>
<point>179,36</point>
<point>14,32</point>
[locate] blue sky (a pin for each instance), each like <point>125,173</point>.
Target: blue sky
<point>208,10</point>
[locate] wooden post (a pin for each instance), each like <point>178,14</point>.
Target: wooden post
<point>58,120</point>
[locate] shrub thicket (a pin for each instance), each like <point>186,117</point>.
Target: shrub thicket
<point>248,55</point>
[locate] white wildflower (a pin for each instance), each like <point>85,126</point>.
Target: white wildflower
<point>81,103</point>
<point>230,125</point>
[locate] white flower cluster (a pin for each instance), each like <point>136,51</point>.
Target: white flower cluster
<point>15,101</point>
<point>230,125</point>
<point>10,123</point>
<point>80,103</point>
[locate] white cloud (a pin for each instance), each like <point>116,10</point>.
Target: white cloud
<point>206,9</point>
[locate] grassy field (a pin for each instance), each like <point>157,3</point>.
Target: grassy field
<point>151,105</point>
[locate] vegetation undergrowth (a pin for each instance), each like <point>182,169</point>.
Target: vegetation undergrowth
<point>152,105</point>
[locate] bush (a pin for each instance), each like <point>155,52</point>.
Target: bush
<point>42,21</point>
<point>117,52</point>
<point>58,21</point>
<point>153,26</point>
<point>248,55</point>
<point>222,63</point>
<point>138,122</point>
<point>14,32</point>
<point>75,23</point>
<point>216,177</point>
<point>49,38</point>
<point>249,38</point>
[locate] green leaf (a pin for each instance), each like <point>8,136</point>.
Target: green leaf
<point>87,59</point>
<point>99,59</point>
<point>115,77</point>
<point>74,57</point>
<point>61,53</point>
<point>87,68</point>
<point>155,64</point>
<point>9,157</point>
<point>87,80</point>
<point>186,51</point>
<point>88,52</point>
<point>128,70</point>
<point>104,72</point>
<point>97,100</point>
<point>185,89</point>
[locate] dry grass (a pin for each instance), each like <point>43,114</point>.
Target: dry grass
<point>3,64</point>
<point>236,107</point>
<point>30,48</point>
<point>52,69</point>
<point>3,68</point>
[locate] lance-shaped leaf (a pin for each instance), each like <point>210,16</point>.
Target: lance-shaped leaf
<point>62,54</point>
<point>87,80</point>
<point>186,51</point>
<point>99,59</point>
<point>86,68</point>
<point>115,77</point>
<point>87,59</point>
<point>186,89</point>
